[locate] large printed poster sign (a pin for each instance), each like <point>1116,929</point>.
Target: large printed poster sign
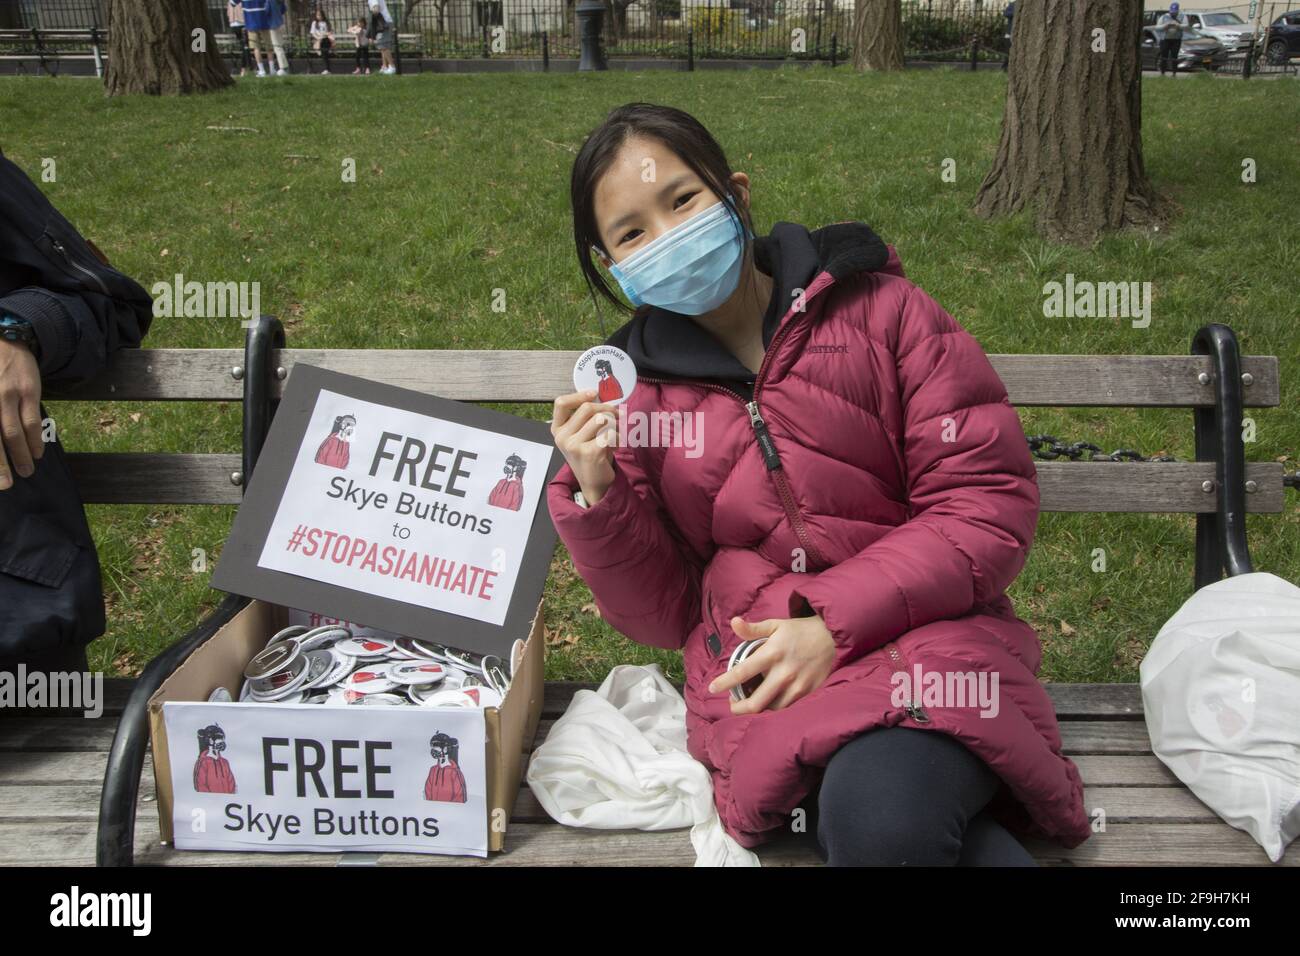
<point>415,514</point>
<point>305,778</point>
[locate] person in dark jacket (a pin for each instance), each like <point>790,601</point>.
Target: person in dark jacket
<point>63,311</point>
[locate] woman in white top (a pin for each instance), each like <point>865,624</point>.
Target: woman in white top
<point>235,17</point>
<point>322,37</point>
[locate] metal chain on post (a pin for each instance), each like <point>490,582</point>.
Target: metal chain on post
<point>1055,448</point>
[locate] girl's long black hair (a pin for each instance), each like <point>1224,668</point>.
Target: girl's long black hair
<point>680,132</point>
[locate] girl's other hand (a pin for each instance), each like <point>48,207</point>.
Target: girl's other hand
<point>798,656</point>
<point>583,432</point>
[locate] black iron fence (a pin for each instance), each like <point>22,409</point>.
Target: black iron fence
<point>703,29</point>
<point>708,29</point>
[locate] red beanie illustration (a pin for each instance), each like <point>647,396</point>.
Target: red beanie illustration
<point>333,451</point>
<point>212,773</point>
<point>509,491</point>
<point>445,783</point>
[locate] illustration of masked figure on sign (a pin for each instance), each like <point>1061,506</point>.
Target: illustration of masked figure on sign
<point>333,451</point>
<point>509,491</point>
<point>212,773</point>
<point>608,390</point>
<point>445,782</point>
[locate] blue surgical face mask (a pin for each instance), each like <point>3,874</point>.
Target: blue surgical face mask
<point>692,268</point>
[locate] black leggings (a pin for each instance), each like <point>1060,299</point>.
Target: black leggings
<point>901,796</point>
<point>363,57</point>
<point>1169,54</point>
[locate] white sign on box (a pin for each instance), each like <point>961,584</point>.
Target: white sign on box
<point>421,521</point>
<point>311,778</point>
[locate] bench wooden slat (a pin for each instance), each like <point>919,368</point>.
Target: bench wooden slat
<point>1071,701</point>
<point>49,803</point>
<point>1074,486</point>
<point>73,735</point>
<point>148,478</point>
<point>68,802</point>
<point>1135,487</point>
<point>162,374</point>
<point>116,690</point>
<point>37,768</point>
<point>34,768</point>
<point>523,375</point>
<point>1122,844</point>
<point>1162,844</point>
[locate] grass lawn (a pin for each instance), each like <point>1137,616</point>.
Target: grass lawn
<point>462,188</point>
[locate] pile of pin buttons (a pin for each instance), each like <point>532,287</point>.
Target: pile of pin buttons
<point>327,665</point>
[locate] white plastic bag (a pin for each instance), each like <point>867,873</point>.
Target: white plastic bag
<point>617,759</point>
<point>1221,691</point>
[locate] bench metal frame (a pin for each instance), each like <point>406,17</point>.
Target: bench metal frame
<point>115,844</point>
<point>96,37</point>
<point>1220,534</point>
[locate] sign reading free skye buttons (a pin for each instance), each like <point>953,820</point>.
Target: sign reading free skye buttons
<point>417,514</point>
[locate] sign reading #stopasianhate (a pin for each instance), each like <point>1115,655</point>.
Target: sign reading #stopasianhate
<point>416,514</point>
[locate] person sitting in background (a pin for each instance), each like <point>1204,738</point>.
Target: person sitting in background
<point>322,38</point>
<point>63,311</point>
<point>235,17</point>
<point>362,38</point>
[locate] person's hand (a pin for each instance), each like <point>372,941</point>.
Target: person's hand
<point>20,411</point>
<point>582,431</point>
<point>797,657</point>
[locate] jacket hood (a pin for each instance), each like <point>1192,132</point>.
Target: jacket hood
<point>668,344</point>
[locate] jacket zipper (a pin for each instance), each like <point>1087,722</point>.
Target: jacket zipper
<point>901,664</point>
<point>713,642</point>
<point>78,266</point>
<point>770,456</point>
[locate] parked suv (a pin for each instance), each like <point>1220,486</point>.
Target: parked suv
<point>1284,37</point>
<point>1224,25</point>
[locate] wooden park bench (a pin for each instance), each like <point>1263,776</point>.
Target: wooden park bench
<point>72,790</point>
<point>409,45</point>
<point>51,47</point>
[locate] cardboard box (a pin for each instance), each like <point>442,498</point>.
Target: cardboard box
<point>294,768</point>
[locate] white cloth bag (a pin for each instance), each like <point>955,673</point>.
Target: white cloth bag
<point>617,759</point>
<point>1221,690</point>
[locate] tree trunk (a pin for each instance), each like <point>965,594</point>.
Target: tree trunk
<point>1071,147</point>
<point>151,49</point>
<point>877,35</point>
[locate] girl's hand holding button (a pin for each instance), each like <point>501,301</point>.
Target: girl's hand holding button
<point>796,658</point>
<point>583,431</point>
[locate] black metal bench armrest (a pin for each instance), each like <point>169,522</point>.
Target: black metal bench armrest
<point>115,845</point>
<point>1221,536</point>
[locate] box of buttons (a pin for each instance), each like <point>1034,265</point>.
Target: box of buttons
<point>378,691</point>
<point>355,740</point>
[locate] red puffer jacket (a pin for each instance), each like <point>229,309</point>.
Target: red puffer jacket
<point>879,477</point>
